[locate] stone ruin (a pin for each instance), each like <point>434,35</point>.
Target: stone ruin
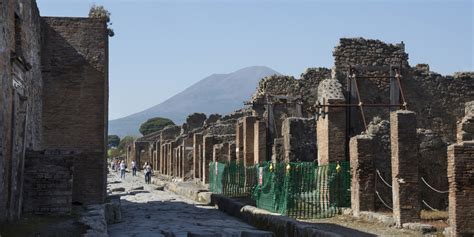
<point>392,121</point>
<point>53,116</point>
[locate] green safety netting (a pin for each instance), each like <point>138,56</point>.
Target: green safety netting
<point>298,189</point>
<point>232,179</point>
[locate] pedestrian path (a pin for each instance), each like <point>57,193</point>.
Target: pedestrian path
<point>147,211</point>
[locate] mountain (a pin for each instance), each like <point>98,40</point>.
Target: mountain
<point>217,93</point>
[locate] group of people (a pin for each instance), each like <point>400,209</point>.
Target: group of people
<point>117,165</point>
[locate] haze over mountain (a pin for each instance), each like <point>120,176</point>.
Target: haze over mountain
<point>217,93</point>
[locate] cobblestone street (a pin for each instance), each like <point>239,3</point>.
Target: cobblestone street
<point>151,212</point>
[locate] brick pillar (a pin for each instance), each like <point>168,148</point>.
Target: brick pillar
<point>331,133</point>
<point>175,160</point>
<point>248,139</point>
<point>208,147</point>
<point>158,154</point>
<point>363,174</point>
<point>239,141</point>
<point>260,142</point>
<point>178,161</point>
<point>405,186</point>
<point>168,159</point>
<point>197,142</point>
<point>165,158</point>
<point>160,168</point>
<point>461,188</point>
<point>201,157</point>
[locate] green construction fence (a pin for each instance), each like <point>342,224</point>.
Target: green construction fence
<point>301,190</point>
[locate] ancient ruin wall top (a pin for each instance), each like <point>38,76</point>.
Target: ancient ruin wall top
<point>360,51</point>
<point>330,90</point>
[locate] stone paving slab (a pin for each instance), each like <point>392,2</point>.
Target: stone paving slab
<point>151,212</point>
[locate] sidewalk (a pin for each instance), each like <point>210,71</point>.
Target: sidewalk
<point>341,225</point>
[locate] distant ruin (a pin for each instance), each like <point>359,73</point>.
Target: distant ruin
<point>53,121</point>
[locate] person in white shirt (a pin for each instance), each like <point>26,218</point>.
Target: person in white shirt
<point>122,169</point>
<point>147,168</point>
<point>134,168</point>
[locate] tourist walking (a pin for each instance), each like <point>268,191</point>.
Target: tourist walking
<point>134,168</point>
<point>122,169</point>
<point>148,169</point>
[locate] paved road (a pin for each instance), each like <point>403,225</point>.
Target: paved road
<point>150,212</point>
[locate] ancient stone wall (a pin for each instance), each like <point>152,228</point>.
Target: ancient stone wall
<point>438,100</point>
<point>20,96</point>
<point>432,155</point>
<point>48,182</point>
<point>75,95</point>
<point>299,139</point>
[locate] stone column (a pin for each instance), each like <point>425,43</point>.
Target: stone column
<point>260,142</point>
<point>405,178</point>
<point>363,174</point>
<point>208,146</point>
<point>197,142</point>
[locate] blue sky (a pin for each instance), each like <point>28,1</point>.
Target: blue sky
<point>163,46</point>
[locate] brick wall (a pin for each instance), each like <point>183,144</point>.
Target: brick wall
<point>75,95</point>
<point>362,163</point>
<point>405,177</point>
<point>461,188</point>
<point>20,97</point>
<point>48,182</point>
<point>331,125</point>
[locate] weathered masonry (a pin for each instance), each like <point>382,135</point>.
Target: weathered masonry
<point>392,121</point>
<point>53,116</point>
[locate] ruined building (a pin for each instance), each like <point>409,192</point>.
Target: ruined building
<point>391,120</point>
<point>53,116</point>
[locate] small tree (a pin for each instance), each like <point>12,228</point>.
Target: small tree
<point>101,12</point>
<point>154,124</point>
<point>113,140</point>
